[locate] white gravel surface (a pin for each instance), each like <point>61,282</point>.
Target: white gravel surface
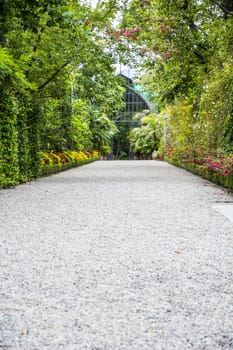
<point>123,255</point>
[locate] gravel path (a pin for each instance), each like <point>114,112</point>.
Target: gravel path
<point>124,255</point>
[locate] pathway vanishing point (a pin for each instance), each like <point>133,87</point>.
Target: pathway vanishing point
<point>123,255</point>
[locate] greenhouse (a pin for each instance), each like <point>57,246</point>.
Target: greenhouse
<point>135,99</point>
<point>136,102</point>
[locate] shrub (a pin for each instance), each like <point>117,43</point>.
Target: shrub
<point>216,166</point>
<point>54,162</point>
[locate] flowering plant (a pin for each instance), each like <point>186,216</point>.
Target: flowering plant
<point>217,166</point>
<point>53,162</point>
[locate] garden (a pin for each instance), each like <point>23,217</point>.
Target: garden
<point>61,96</point>
<point>214,166</point>
<point>186,60</point>
<point>59,89</point>
<point>55,162</point>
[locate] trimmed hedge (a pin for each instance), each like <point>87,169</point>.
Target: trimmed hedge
<point>55,162</point>
<point>216,167</point>
<point>56,168</point>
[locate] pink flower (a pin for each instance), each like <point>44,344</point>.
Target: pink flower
<point>224,173</point>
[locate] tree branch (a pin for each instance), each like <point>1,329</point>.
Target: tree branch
<point>53,76</point>
<point>223,8</point>
<point>200,57</point>
<point>110,9</point>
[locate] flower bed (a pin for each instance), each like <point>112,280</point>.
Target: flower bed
<point>214,166</point>
<point>55,162</point>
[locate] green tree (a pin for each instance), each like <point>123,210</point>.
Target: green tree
<point>45,46</point>
<point>186,55</point>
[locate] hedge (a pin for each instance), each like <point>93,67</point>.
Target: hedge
<point>54,162</point>
<point>216,167</point>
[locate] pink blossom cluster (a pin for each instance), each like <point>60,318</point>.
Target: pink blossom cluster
<point>210,163</point>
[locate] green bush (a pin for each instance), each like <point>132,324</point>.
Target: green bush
<point>55,162</point>
<point>215,166</point>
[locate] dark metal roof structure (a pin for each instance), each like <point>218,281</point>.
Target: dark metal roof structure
<point>134,103</point>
